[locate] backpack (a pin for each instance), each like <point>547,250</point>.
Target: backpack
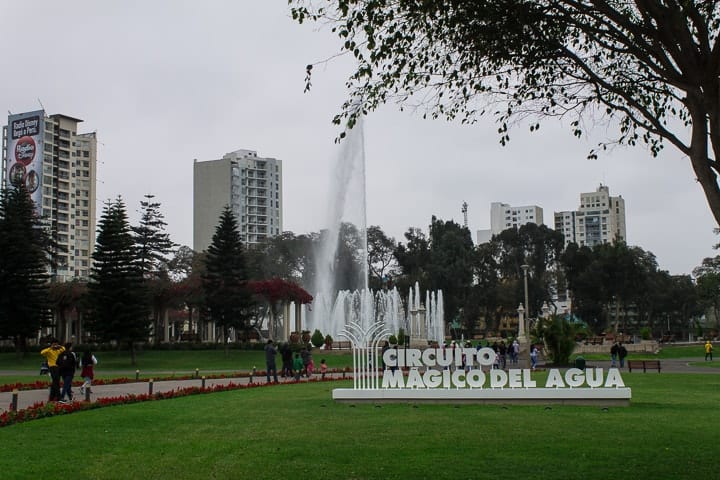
<point>66,361</point>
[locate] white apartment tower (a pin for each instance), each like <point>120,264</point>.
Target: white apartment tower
<point>250,185</point>
<point>600,219</point>
<point>59,168</point>
<point>504,216</point>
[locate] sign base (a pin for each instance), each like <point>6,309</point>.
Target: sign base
<point>499,396</point>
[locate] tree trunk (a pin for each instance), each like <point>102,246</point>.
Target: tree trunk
<point>225,340</point>
<point>20,349</point>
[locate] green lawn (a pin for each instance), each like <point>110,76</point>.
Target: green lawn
<point>150,363</point>
<point>297,431</point>
<point>666,352</point>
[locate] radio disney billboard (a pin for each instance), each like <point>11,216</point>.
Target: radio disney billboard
<point>25,152</point>
<point>465,375</point>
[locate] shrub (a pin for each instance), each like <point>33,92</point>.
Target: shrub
<point>401,337</point>
<point>393,340</point>
<point>559,335</point>
<point>317,338</point>
<point>645,333</point>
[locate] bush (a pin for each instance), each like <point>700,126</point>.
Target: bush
<point>645,333</point>
<point>393,340</point>
<point>401,337</point>
<point>559,335</point>
<point>317,338</point>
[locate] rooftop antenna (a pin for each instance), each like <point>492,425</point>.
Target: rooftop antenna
<point>41,105</point>
<point>464,212</point>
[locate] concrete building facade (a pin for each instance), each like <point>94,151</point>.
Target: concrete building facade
<point>599,219</point>
<point>250,185</point>
<point>58,166</point>
<point>504,216</point>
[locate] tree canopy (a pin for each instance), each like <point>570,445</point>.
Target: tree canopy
<point>24,303</point>
<point>648,70</point>
<point>118,300</point>
<point>227,295</point>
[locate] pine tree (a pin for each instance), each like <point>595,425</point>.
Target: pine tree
<point>227,296</point>
<point>154,246</point>
<point>117,297</point>
<point>24,261</point>
<point>153,243</point>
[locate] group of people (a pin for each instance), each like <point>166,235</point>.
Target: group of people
<point>503,352</point>
<point>618,352</point>
<point>302,364</point>
<point>62,362</point>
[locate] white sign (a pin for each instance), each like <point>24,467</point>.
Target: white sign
<point>456,374</point>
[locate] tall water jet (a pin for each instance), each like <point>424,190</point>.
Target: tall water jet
<point>340,300</point>
<point>347,206</point>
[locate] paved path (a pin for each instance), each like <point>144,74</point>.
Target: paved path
<point>29,397</point>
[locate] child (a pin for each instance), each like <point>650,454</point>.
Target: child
<point>323,367</point>
<point>298,366</point>
<point>87,362</point>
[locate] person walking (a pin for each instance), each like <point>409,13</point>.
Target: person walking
<point>515,351</point>
<point>287,360</point>
<point>270,353</point>
<point>533,356</point>
<point>622,353</point>
<point>87,372</point>
<point>51,355</point>
<point>67,362</point>
<point>305,355</point>
<point>708,350</point>
<point>614,355</point>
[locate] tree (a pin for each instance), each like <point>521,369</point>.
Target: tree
<point>153,243</point>
<point>227,296</point>
<point>538,247</point>
<point>153,247</point>
<point>451,264</point>
<point>649,68</point>
<point>118,300</point>
<point>708,286</point>
<point>413,257</point>
<point>24,303</point>
<point>380,257</point>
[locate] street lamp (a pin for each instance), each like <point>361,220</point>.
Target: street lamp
<point>525,268</point>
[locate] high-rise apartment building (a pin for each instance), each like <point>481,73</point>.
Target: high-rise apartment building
<point>250,185</point>
<point>599,219</point>
<point>59,168</point>
<point>504,216</point>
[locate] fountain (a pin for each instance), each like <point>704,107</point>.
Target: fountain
<point>334,309</point>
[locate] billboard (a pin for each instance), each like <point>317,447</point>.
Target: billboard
<point>25,134</point>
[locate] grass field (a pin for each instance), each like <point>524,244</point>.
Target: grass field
<point>152,363</point>
<point>298,432</point>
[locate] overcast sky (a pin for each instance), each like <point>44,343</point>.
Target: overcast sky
<point>166,82</point>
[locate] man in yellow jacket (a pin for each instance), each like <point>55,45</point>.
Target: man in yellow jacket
<point>708,350</point>
<point>51,354</point>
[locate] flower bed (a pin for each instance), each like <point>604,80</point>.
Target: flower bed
<point>51,409</point>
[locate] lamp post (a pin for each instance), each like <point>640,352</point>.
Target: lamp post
<point>525,268</point>
<point>521,324</point>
